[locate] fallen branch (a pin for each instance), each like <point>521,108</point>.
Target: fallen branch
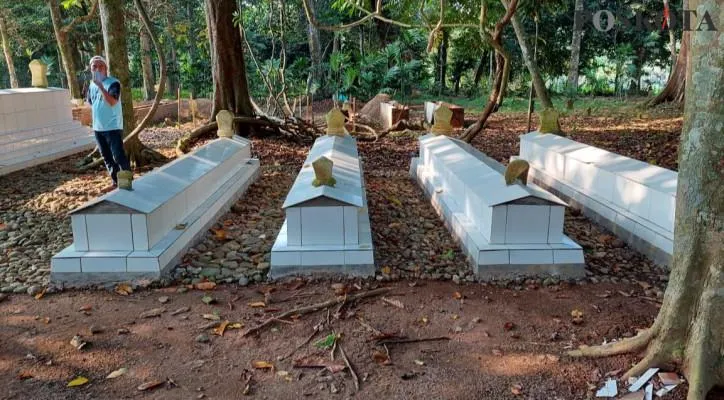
<point>355,379</point>
<point>396,341</point>
<point>315,307</point>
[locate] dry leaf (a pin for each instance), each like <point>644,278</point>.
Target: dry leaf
<point>205,285</point>
<point>509,326</point>
<point>79,381</point>
<point>257,304</point>
<point>124,289</point>
<point>386,270</point>
<point>424,320</point>
<point>516,390</point>
<point>219,234</point>
<point>24,375</point>
<point>115,374</point>
<point>40,295</point>
<point>577,316</point>
<point>262,365</point>
<point>154,312</point>
<point>235,325</point>
<point>457,296</point>
<point>211,317</point>
<point>381,358</point>
<point>419,362</point>
<point>393,302</point>
<point>85,307</point>
<point>497,352</point>
<point>149,385</point>
<point>221,328</point>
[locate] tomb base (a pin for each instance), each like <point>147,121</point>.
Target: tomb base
<point>81,268</point>
<point>499,261</point>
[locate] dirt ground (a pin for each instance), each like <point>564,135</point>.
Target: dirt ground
<point>500,341</point>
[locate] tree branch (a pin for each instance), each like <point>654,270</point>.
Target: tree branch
<point>81,19</point>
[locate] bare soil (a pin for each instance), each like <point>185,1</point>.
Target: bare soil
<point>484,358</point>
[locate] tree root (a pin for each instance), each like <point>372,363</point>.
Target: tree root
<point>635,343</point>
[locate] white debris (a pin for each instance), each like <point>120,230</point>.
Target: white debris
<point>640,382</point>
<point>609,389</point>
<point>666,389</point>
<point>649,392</point>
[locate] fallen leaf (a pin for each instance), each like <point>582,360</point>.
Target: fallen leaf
<point>394,302</point>
<point>262,365</point>
<point>211,317</point>
<point>85,307</point>
<point>419,362</point>
<point>149,385</point>
<point>221,328</point>
<point>457,296</point>
<point>326,342</point>
<point>79,381</point>
<point>315,361</point>
<point>381,357</point>
<point>257,304</point>
<point>235,325</point>
<point>509,326</point>
<point>154,312</point>
<point>163,299</point>
<point>219,234</point>
<point>205,285</point>
<point>124,289</point>
<point>115,374</point>
<point>386,270</point>
<point>577,316</point>
<point>516,390</point>
<point>424,320</point>
<point>208,299</point>
<point>497,352</point>
<point>78,342</point>
<point>181,310</point>
<point>40,295</point>
<point>24,375</point>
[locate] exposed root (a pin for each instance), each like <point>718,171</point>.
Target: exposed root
<point>651,359</point>
<point>629,345</point>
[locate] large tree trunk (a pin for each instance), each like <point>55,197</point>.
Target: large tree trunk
<point>8,54</point>
<point>442,61</point>
<point>689,330</point>
<point>227,60</point>
<point>575,50</point>
<point>66,50</point>
<point>173,67</point>
<point>147,66</point>
<point>672,39</point>
<point>540,86</point>
<point>315,49</point>
<point>676,85</point>
<point>478,73</point>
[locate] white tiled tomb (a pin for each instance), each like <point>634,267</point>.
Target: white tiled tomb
<point>37,126</point>
<point>633,199</point>
<point>144,232</point>
<point>506,231</point>
<point>327,229</point>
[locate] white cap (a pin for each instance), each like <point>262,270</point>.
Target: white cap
<point>97,58</point>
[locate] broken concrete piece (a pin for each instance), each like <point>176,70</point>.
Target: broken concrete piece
<point>666,389</point>
<point>669,378</point>
<point>640,382</point>
<point>609,389</point>
<point>634,396</point>
<point>649,392</point>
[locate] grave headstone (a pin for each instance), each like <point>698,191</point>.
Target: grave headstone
<point>335,122</point>
<point>549,121</point>
<point>442,126</point>
<point>393,112</point>
<point>323,172</point>
<point>225,122</point>
<point>39,74</point>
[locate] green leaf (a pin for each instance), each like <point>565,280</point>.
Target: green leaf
<point>449,255</point>
<point>208,299</point>
<point>327,342</point>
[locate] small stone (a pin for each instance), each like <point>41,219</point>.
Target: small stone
<point>333,388</point>
<point>123,331</point>
<point>203,338</point>
<point>243,281</point>
<point>95,329</point>
<point>163,299</point>
<point>34,289</point>
<point>20,289</point>
<point>263,266</point>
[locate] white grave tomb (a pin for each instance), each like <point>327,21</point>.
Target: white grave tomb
<point>37,126</point>
<point>633,199</point>
<point>142,233</point>
<point>506,230</point>
<point>327,228</point>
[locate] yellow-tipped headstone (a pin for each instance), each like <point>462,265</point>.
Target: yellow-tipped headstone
<point>443,116</point>
<point>225,122</point>
<point>517,169</point>
<point>323,172</point>
<point>39,73</point>
<point>335,123</point>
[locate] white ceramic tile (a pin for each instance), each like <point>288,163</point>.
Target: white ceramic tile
<point>568,257</point>
<point>625,223</point>
<point>645,234</point>
<point>531,256</point>
<point>322,225</point>
<point>58,264</point>
<point>351,225</point>
<point>498,224</point>
<point>315,258</point>
<point>80,236</point>
<point>294,226</point>
<point>527,224</point>
<point>142,264</point>
<point>103,264</point>
<point>140,232</point>
<point>555,224</point>
<point>493,257</point>
<point>362,257</point>
<point>109,232</point>
<point>286,258</point>
<point>662,210</point>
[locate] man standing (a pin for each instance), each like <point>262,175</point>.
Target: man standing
<point>104,95</point>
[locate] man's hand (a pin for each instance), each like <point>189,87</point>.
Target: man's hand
<point>98,83</point>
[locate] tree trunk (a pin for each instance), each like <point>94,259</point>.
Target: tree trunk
<point>672,39</point>
<point>65,49</point>
<point>689,330</point>
<point>478,73</point>
<point>191,45</point>
<point>676,85</point>
<point>575,50</point>
<point>540,86</point>
<point>147,66</point>
<point>227,60</point>
<point>8,54</point>
<point>173,67</point>
<point>442,60</point>
<point>315,49</point>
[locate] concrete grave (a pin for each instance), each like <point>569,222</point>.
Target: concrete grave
<point>392,113</point>
<point>37,126</point>
<point>633,199</point>
<point>327,226</point>
<point>143,233</point>
<point>458,113</point>
<point>506,230</point>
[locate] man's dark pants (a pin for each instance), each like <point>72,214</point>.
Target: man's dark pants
<point>110,144</point>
